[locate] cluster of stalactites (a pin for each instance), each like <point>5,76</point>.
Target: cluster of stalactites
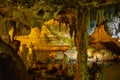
<point>69,19</point>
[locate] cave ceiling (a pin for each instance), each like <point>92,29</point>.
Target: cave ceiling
<point>26,14</point>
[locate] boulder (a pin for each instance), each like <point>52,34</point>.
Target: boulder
<point>11,65</point>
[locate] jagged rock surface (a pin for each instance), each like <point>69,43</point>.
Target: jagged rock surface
<point>103,40</point>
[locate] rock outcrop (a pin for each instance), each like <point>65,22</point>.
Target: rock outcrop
<point>100,35</point>
<point>11,65</point>
<point>102,39</point>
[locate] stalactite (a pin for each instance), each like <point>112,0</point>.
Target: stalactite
<point>66,26</point>
<point>100,16</point>
<point>71,30</point>
<point>60,26</point>
<point>72,25</point>
<point>78,25</point>
<point>93,13</point>
<point>75,33</point>
<point>97,20</point>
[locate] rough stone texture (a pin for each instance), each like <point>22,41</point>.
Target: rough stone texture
<point>11,65</point>
<point>100,35</point>
<point>101,39</point>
